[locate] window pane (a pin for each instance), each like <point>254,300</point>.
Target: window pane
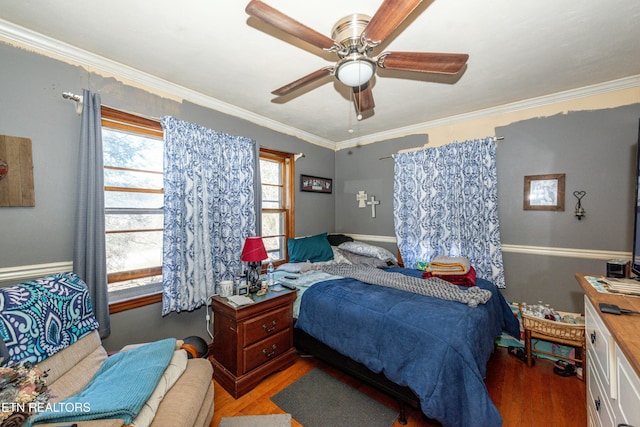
<point>123,199</point>
<point>272,223</point>
<point>133,222</point>
<point>271,197</point>
<point>131,151</point>
<point>270,172</point>
<point>274,247</point>
<point>132,179</point>
<point>132,251</point>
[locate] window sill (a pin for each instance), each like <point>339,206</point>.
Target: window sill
<point>136,302</point>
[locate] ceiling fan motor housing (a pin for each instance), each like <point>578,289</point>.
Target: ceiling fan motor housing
<point>347,33</point>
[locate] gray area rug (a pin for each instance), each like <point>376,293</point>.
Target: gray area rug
<point>276,420</point>
<point>319,400</point>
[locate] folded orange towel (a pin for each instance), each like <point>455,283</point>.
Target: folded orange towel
<point>449,265</point>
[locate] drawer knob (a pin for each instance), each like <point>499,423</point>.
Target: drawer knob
<point>625,425</point>
<point>593,337</point>
<point>271,328</point>
<point>267,353</point>
<point>597,403</point>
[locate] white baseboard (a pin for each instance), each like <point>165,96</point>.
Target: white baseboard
<point>26,272</point>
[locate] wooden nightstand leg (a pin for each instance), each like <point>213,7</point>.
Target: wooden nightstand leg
<point>527,346</point>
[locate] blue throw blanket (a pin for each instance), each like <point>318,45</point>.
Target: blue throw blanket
<point>437,348</point>
<point>118,390</point>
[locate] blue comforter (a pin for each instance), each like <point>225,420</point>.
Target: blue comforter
<point>437,348</point>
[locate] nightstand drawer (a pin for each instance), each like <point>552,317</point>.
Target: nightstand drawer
<point>266,350</point>
<point>266,325</point>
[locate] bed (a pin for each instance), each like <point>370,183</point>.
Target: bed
<point>425,351</point>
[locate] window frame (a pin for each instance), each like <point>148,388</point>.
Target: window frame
<point>287,161</point>
<point>123,121</point>
<point>127,122</point>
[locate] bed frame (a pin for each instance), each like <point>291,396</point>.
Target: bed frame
<point>308,345</point>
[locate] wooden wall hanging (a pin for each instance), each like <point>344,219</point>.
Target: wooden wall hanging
<point>16,172</point>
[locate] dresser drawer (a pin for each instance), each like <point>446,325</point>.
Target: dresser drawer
<point>266,325</point>
<point>600,349</point>
<point>628,402</point>
<point>599,410</point>
<point>266,350</point>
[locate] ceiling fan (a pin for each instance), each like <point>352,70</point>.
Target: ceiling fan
<point>353,39</point>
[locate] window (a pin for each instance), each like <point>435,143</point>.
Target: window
<point>133,165</point>
<point>276,174</point>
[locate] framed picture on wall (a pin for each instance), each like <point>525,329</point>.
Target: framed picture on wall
<point>316,184</point>
<point>544,192</point>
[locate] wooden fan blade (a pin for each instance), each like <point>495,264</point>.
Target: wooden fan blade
<point>274,17</point>
<point>363,98</point>
<point>303,81</point>
<point>425,62</point>
<point>389,15</point>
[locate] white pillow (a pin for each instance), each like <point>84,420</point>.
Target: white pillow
<point>361,248</point>
<point>295,267</point>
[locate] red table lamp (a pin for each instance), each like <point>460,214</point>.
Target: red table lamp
<point>253,253</point>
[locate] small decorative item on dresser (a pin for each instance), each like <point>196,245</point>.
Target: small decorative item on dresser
<point>226,288</point>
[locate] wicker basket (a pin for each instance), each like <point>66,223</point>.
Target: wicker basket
<point>552,328</point>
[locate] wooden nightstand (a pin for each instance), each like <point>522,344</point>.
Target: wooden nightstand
<point>252,341</point>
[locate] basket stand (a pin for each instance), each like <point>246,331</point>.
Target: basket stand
<point>558,332</point>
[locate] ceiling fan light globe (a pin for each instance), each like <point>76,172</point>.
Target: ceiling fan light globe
<point>355,73</point>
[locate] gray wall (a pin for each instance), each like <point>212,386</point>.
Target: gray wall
<point>31,106</point>
<point>369,168</point>
<point>596,151</point>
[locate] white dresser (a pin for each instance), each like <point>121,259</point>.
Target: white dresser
<point>613,360</point>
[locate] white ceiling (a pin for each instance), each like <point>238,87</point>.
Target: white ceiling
<point>212,50</point>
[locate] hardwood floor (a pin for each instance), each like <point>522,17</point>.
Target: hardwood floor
<point>526,397</point>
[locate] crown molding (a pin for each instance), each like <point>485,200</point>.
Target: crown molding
<point>24,37</point>
<point>527,104</point>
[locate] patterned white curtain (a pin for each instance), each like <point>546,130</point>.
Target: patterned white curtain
<point>446,203</point>
<point>209,210</point>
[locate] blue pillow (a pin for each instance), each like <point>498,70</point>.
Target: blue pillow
<point>313,248</point>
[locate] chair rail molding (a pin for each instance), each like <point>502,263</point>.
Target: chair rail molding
<point>525,249</point>
<point>566,252</point>
<point>25,272</point>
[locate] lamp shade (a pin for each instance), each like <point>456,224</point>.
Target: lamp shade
<point>253,250</point>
